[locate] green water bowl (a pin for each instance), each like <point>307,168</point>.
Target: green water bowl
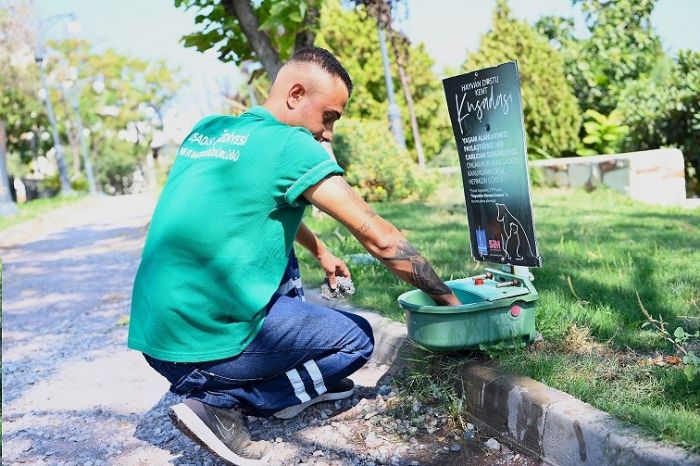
<point>488,315</point>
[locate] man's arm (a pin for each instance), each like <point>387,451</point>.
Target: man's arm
<point>382,239</point>
<point>330,263</point>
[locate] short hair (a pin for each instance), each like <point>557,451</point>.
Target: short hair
<point>325,60</point>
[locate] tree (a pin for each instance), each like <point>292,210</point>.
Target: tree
<point>551,113</point>
<point>622,47</point>
<point>353,39</point>
<point>124,115</point>
<point>382,11</point>
<point>267,31</point>
<point>18,106</point>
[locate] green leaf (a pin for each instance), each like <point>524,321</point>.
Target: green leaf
<point>591,139</point>
<point>277,8</point>
<point>690,372</point>
<point>679,333</point>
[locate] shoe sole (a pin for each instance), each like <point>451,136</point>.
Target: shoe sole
<point>290,412</point>
<point>191,425</point>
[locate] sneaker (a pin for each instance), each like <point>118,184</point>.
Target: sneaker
<point>343,389</point>
<point>221,431</point>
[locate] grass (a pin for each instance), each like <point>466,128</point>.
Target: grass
<point>598,251</point>
<point>33,209</point>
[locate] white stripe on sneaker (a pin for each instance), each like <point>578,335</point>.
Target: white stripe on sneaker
<point>298,386</point>
<point>316,376</point>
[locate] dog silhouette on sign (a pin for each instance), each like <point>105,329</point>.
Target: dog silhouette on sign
<point>514,234</point>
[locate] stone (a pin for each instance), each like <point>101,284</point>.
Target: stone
<point>455,447</point>
<point>493,444</point>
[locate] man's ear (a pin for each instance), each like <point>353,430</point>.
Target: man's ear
<point>296,92</point>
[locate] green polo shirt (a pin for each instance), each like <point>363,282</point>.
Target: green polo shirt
<point>221,234</point>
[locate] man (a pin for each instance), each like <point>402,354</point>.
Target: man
<point>210,309</point>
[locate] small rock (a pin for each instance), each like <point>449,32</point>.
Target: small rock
<point>384,390</point>
<point>278,440</point>
<point>455,447</point>
<point>493,444</point>
<point>318,453</point>
<point>414,463</point>
<point>470,426</point>
<point>468,435</point>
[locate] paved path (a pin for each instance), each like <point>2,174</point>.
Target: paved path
<point>73,394</point>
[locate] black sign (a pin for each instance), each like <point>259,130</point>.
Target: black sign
<point>487,119</point>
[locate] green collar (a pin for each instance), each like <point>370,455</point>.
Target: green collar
<point>261,112</point>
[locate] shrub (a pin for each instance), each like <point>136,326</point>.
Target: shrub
<point>664,110</point>
<point>373,162</point>
<point>604,134</point>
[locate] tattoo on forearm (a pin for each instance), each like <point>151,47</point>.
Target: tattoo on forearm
<point>356,198</point>
<point>422,274</point>
<point>363,228</point>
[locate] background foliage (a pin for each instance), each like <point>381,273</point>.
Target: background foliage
<point>374,164</point>
<point>552,116</point>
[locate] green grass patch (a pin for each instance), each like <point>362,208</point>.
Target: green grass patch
<point>598,250</point>
<point>33,209</point>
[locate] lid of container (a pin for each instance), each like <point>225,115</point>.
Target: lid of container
<point>488,290</point>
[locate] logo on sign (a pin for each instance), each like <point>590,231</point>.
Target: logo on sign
<point>494,245</point>
<point>481,241</point>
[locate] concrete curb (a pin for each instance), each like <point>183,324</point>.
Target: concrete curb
<point>548,423</point>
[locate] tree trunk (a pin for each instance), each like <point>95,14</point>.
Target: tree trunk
<point>306,37</point>
<point>7,207</point>
<point>404,78</point>
<point>260,42</point>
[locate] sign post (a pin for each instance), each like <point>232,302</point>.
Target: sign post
<point>487,120</point>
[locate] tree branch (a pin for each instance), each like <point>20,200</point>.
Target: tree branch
<point>259,40</point>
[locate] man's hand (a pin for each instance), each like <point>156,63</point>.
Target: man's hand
<point>381,238</point>
<point>333,267</point>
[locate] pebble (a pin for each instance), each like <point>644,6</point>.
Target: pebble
<point>455,447</point>
<point>493,444</point>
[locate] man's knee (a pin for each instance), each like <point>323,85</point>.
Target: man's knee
<point>365,339</point>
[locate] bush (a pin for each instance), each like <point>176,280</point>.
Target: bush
<point>373,163</point>
<point>664,110</point>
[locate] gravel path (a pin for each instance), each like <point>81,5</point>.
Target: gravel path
<point>73,394</point>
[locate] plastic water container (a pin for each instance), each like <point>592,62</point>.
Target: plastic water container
<point>491,312</point>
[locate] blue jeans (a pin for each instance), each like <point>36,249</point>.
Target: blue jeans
<point>301,350</point>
